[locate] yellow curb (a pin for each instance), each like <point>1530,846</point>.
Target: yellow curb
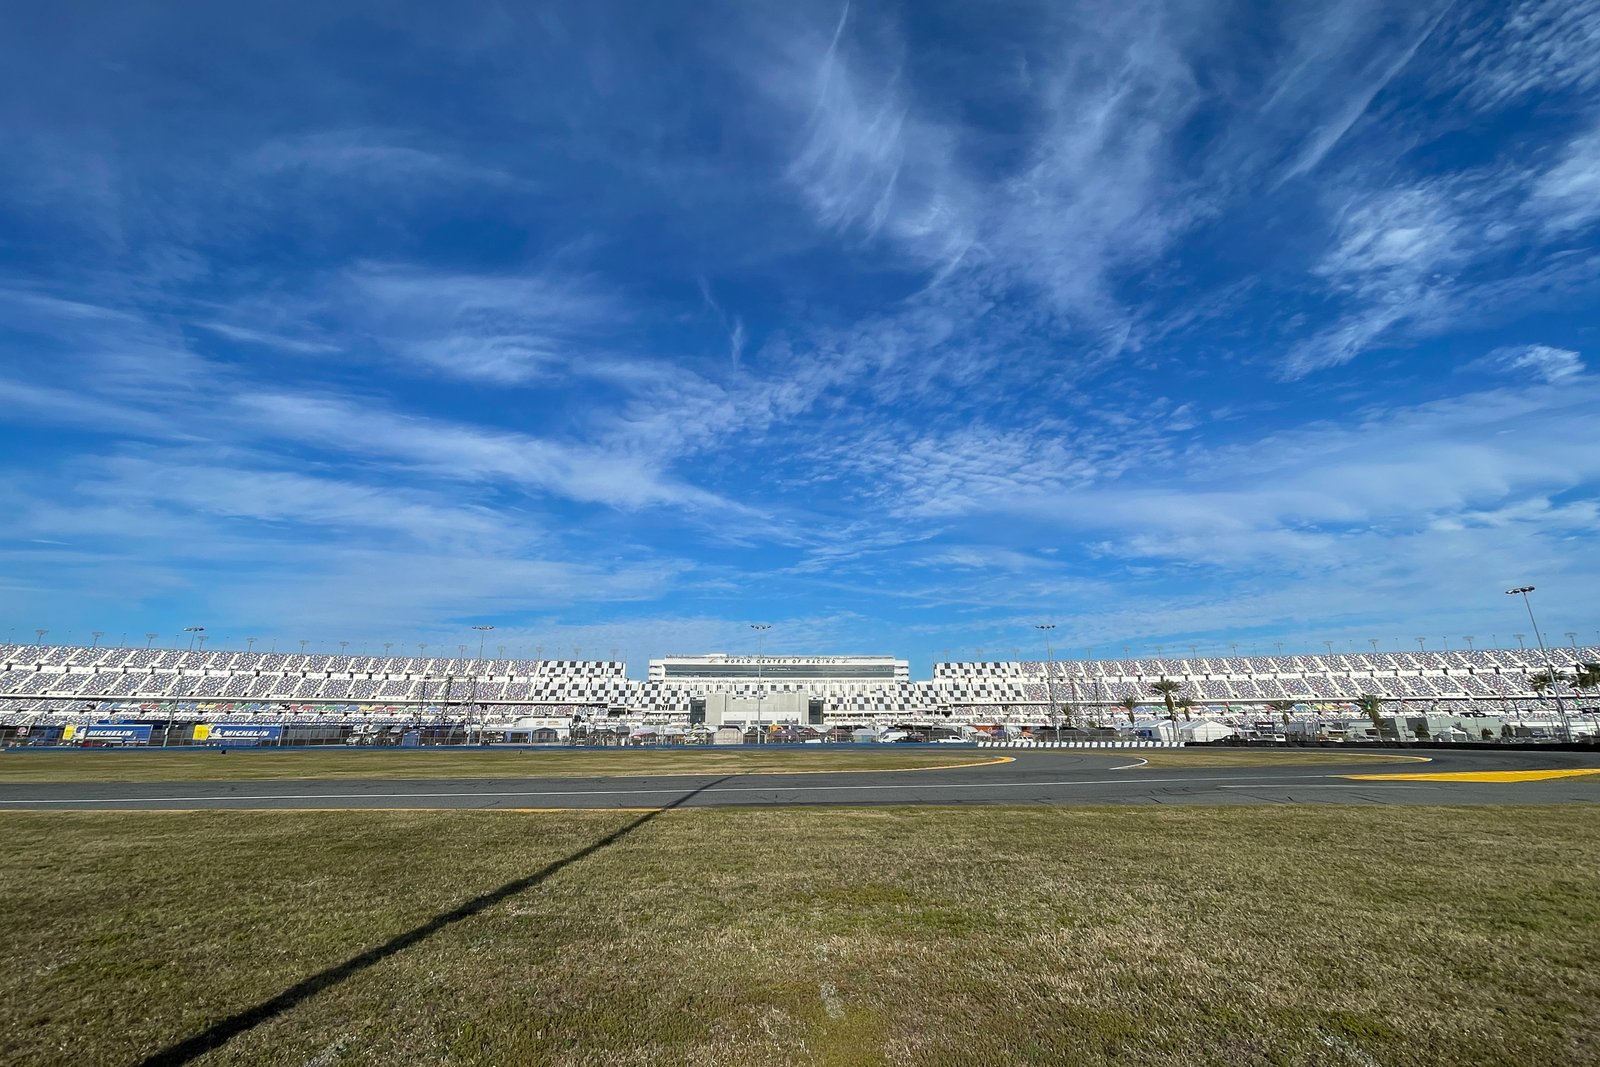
<point>1476,776</point>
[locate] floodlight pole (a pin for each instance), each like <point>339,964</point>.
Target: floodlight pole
<point>1561,709</point>
<point>483,632</point>
<point>1049,675</point>
<point>172,708</point>
<point>761,629</point>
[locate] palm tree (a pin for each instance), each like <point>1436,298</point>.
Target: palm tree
<point>1067,712</point>
<point>1166,687</point>
<point>1588,676</point>
<point>1284,707</point>
<point>1132,704</point>
<point>1372,705</point>
<point>1546,680</point>
<point>1185,704</point>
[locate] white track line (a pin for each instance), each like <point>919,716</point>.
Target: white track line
<point>231,797</point>
<point>1131,766</point>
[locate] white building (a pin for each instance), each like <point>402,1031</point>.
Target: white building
<point>719,667</point>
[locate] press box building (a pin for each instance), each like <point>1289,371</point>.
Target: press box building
<point>798,690</point>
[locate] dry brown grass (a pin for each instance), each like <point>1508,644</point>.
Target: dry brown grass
<point>891,936</point>
<point>216,765</point>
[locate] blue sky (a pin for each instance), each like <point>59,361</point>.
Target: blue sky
<point>900,327</point>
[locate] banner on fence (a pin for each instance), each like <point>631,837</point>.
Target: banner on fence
<point>229,734</point>
<point>117,733</point>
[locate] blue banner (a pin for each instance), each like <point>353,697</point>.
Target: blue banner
<point>117,733</point>
<point>234,734</point>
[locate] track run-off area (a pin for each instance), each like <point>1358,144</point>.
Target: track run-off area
<point>970,777</point>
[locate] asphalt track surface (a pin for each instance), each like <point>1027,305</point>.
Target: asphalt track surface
<point>1059,777</point>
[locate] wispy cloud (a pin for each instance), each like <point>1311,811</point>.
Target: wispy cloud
<point>1566,198</point>
<point>370,157</point>
<point>1427,256</point>
<point>246,335</point>
<point>1349,55</point>
<point>508,329</point>
<point>456,451</point>
<point>863,161</point>
<point>1503,52</point>
<point>1544,361</point>
<point>734,327</point>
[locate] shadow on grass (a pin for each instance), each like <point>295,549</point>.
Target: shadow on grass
<point>227,1029</point>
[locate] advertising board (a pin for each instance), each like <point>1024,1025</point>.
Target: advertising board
<point>116,733</point>
<point>234,734</point>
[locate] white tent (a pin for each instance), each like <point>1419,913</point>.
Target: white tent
<point>1155,730</point>
<point>1202,731</point>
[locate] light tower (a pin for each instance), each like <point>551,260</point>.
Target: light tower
<point>1561,709</point>
<point>761,629</point>
<point>1049,673</point>
<point>177,686</point>
<point>477,669</point>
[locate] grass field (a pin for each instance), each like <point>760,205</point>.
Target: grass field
<point>102,765</point>
<point>1336,936</point>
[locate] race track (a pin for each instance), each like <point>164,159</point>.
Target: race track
<point>1034,777</point>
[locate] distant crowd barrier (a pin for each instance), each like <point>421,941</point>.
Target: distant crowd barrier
<point>1079,744</point>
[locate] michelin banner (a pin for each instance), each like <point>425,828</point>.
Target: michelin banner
<point>116,734</point>
<point>228,734</point>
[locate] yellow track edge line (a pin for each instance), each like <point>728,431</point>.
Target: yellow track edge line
<point>1477,776</point>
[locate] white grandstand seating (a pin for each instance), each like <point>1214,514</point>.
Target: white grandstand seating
<point>34,679</point>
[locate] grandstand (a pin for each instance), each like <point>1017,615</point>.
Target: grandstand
<point>56,683</point>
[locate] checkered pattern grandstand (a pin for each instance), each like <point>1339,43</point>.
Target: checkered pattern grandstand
<point>56,680</point>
